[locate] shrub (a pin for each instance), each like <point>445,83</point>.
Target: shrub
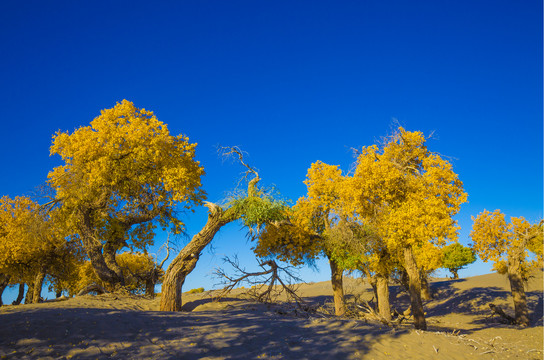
<point>196,291</point>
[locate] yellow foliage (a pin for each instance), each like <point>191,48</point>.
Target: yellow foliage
<point>29,241</point>
<point>135,268</point>
<point>123,167</point>
<point>504,243</point>
<point>407,194</point>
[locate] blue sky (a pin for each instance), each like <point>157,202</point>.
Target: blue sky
<point>289,82</point>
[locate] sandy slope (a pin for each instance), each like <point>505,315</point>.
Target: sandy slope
<point>127,327</point>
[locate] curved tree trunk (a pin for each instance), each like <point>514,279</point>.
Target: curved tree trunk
<point>109,251</point>
<point>93,248</point>
<point>186,260</point>
<point>518,292</point>
<point>414,289</point>
<point>337,288</point>
<point>382,291</point>
<point>20,295</point>
<point>108,276</point>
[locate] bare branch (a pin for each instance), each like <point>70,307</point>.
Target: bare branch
<point>235,151</point>
<point>167,244</point>
<point>270,278</point>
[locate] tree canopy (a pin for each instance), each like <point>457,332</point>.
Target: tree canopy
<point>508,246</point>
<point>456,257</point>
<point>122,174</point>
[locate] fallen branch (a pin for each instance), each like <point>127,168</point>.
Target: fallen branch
<point>497,310</point>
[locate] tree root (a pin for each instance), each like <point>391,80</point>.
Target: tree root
<point>92,288</point>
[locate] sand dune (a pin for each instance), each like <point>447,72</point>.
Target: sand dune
<point>461,326</point>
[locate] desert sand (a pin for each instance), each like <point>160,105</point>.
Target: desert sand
<point>460,326</point>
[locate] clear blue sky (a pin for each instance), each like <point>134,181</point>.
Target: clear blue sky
<point>291,82</point>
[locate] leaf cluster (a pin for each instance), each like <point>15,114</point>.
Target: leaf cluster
<point>256,211</point>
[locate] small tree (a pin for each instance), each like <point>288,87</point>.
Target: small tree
<point>508,246</point>
<point>456,257</point>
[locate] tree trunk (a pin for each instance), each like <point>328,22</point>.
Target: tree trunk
<point>20,295</point>
<point>93,247</point>
<point>108,276</point>
<point>518,292</point>
<point>58,294</point>
<point>38,284</point>
<point>373,281</point>
<point>454,273</point>
<point>426,291</point>
<point>150,286</point>
<point>382,290</point>
<point>414,289</point>
<point>404,280</point>
<point>29,293</point>
<point>186,260</point>
<point>4,281</point>
<point>337,288</point>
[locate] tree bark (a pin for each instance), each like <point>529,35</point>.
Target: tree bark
<point>186,260</point>
<point>426,291</point>
<point>109,251</point>
<point>337,288</point>
<point>93,248</point>
<point>518,291</point>
<point>455,274</point>
<point>37,289</point>
<point>414,289</point>
<point>382,291</point>
<point>20,295</point>
<point>150,285</point>
<point>4,281</point>
<point>29,293</point>
<point>373,281</point>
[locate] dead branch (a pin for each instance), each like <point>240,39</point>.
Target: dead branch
<point>235,151</point>
<point>270,278</point>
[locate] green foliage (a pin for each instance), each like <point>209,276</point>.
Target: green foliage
<point>457,256</point>
<point>347,243</point>
<point>256,211</point>
<point>196,291</point>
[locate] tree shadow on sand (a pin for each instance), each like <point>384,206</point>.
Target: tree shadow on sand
<point>235,334</point>
<point>475,302</point>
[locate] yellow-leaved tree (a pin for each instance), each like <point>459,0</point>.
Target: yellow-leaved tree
<point>122,175</point>
<point>318,226</point>
<point>408,196</point>
<point>32,244</point>
<point>508,245</point>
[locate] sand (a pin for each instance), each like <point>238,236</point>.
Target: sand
<point>461,326</point>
